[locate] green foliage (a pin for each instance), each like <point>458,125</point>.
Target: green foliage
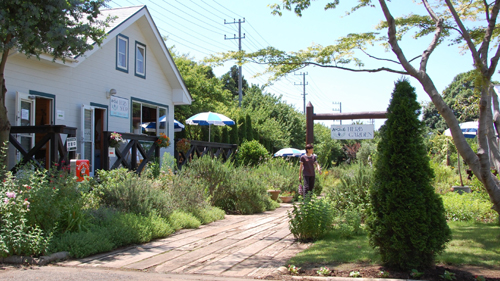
<point>233,189</point>
<point>248,122</point>
<point>445,177</point>
<point>310,218</point>
<point>348,223</point>
<point>252,153</point>
<point>111,229</point>
<point>351,191</point>
<point>128,192</point>
<point>179,220</point>
<point>279,174</point>
<point>52,27</point>
<point>209,214</point>
<point>475,206</point>
<point>242,129</point>
<point>234,138</point>
<point>463,99</point>
<point>407,224</point>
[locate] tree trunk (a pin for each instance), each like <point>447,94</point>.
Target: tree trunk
<point>4,120</point>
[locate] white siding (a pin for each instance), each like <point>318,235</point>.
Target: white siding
<point>90,80</point>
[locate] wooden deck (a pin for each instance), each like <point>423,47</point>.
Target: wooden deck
<point>238,246</point>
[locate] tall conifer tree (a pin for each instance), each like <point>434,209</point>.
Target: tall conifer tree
<point>406,222</point>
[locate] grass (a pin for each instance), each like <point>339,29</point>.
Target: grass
<point>472,244</point>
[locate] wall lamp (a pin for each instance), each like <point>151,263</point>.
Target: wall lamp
<point>111,92</point>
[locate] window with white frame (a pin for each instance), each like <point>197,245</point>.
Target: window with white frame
<point>140,60</point>
<point>122,53</point>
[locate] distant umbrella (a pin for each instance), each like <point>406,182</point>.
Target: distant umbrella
<point>151,126</point>
<point>293,152</point>
<point>469,129</point>
<point>208,119</point>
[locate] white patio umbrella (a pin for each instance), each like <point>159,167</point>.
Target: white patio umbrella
<point>469,129</point>
<point>208,119</point>
<point>289,151</point>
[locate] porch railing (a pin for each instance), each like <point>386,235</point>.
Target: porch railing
<point>222,151</point>
<point>134,154</point>
<point>51,140</point>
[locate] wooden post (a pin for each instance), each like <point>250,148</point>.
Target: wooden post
<point>309,123</point>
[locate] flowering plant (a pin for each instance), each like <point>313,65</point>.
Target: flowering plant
<point>183,145</point>
<point>163,140</point>
<point>115,140</point>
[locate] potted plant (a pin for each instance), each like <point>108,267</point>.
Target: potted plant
<point>287,196</point>
<point>183,145</point>
<point>163,140</point>
<point>115,140</point>
<point>274,193</point>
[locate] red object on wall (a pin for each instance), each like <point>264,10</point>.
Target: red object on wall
<point>82,169</point>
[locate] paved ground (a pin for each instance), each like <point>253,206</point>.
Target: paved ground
<point>238,246</point>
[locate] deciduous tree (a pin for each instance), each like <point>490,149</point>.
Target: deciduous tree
<point>470,23</point>
<point>58,28</point>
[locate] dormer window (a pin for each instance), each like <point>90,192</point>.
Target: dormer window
<point>140,60</point>
<point>122,53</point>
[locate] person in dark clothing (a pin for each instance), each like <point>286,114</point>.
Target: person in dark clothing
<point>307,163</point>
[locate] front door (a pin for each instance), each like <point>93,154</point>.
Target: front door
<point>25,116</point>
<point>87,136</point>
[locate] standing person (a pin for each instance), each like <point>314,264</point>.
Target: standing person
<point>307,163</point>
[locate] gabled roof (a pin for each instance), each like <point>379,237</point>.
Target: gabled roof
<point>125,17</point>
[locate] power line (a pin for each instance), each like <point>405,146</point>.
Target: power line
<point>198,13</point>
<point>227,8</point>
<point>259,34</point>
<point>214,8</point>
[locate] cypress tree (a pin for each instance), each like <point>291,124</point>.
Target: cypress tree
<point>225,135</point>
<point>406,222</point>
<point>234,134</point>
<point>248,122</point>
<point>242,129</point>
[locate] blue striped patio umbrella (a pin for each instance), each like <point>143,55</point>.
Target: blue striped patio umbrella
<point>208,119</point>
<point>294,152</point>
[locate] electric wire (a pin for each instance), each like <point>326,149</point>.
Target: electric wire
<point>227,9</point>
<point>216,22</point>
<point>215,9</point>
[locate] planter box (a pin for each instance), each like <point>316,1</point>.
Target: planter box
<point>461,189</point>
<point>286,199</point>
<point>274,194</point>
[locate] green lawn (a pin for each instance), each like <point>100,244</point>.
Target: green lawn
<point>472,244</point>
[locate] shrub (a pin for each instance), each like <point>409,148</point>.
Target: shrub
<point>474,206</point>
<point>209,214</point>
<point>352,188</point>
<point>233,189</point>
<point>279,173</point>
<point>128,192</point>
<point>179,220</point>
<point>310,218</point>
<point>17,236</point>
<point>252,153</point>
<point>109,230</point>
<point>349,223</point>
<point>407,224</point>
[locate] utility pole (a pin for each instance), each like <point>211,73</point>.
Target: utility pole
<point>304,88</point>
<point>240,78</point>
<point>338,109</point>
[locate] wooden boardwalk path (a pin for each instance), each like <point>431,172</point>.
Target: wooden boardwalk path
<point>238,246</point>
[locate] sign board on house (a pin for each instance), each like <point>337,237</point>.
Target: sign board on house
<point>71,144</point>
<point>119,107</point>
<point>352,132</point>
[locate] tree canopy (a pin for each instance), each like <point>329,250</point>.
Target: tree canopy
<point>57,28</point>
<point>470,24</point>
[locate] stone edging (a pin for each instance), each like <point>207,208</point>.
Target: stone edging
<point>43,260</point>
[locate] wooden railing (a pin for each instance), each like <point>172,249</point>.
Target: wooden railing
<point>136,147</point>
<point>51,140</point>
<point>222,151</point>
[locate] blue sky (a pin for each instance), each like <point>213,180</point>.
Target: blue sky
<point>196,27</point>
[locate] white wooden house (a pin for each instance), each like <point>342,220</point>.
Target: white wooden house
<point>129,81</point>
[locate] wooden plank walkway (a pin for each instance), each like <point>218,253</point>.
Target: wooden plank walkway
<point>238,246</point>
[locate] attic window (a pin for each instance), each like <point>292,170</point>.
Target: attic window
<point>122,53</point>
<point>140,60</point>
